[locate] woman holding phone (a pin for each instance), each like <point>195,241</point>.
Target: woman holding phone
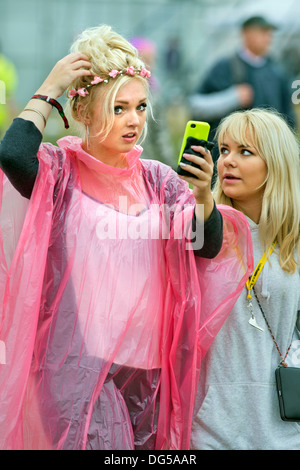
<point>258,174</point>
<point>101,279</point>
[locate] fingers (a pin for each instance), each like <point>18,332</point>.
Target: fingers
<point>65,71</point>
<point>200,178</point>
<point>79,55</point>
<point>206,153</point>
<point>75,57</point>
<point>82,64</point>
<point>76,62</point>
<point>205,164</point>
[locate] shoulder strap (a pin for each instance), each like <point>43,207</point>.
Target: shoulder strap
<point>237,67</point>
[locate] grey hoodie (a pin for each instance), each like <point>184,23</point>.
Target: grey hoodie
<point>239,405</point>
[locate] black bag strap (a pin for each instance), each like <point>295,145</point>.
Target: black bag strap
<point>238,70</point>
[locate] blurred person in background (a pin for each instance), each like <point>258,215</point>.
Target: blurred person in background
<point>173,58</point>
<point>8,84</point>
<point>248,78</point>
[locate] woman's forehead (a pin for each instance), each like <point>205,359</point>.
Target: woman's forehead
<point>132,89</point>
<point>240,138</point>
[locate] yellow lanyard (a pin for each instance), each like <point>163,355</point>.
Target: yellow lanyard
<point>252,279</point>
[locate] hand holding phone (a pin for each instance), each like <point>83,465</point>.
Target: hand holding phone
<point>196,133</point>
<point>192,141</point>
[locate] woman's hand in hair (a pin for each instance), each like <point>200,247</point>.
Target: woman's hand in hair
<point>64,72</point>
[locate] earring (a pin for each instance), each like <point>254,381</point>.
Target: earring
<point>87,135</point>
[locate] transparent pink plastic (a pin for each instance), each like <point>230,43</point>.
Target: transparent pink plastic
<point>103,327</point>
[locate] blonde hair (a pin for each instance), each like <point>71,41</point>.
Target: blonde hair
<point>277,145</point>
<point>107,51</point>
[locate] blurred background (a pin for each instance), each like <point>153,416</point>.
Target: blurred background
<point>187,37</point>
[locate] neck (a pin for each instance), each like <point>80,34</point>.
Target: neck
<point>116,160</point>
<point>251,210</point>
<point>252,58</point>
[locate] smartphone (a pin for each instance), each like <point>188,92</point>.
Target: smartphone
<point>196,133</point>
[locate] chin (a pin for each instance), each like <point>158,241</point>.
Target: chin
<point>230,194</point>
<point>127,147</point>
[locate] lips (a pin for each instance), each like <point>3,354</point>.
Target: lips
<point>230,177</point>
<point>129,137</point>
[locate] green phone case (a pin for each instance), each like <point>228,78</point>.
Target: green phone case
<point>197,129</point>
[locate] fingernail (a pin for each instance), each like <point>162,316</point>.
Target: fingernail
<point>182,164</point>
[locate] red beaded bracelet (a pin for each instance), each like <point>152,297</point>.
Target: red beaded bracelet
<point>54,103</point>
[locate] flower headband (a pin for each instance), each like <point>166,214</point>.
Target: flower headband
<point>112,74</point>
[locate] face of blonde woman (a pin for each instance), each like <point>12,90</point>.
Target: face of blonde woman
<point>242,173</point>
<point>129,119</point>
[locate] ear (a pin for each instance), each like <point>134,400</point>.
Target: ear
<point>83,116</point>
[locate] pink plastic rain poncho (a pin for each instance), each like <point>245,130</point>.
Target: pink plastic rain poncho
<point>105,312</point>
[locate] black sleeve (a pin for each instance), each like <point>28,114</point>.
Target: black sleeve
<point>18,155</point>
<point>213,234</point>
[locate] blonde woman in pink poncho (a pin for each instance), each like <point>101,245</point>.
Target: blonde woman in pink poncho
<point>109,298</point>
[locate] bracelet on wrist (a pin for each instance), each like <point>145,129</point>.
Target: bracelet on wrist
<point>38,112</point>
<point>54,103</point>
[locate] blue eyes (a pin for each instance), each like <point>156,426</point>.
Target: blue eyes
<point>226,151</point>
<point>119,109</point>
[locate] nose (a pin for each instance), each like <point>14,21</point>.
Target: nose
<point>229,159</point>
<point>133,119</point>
